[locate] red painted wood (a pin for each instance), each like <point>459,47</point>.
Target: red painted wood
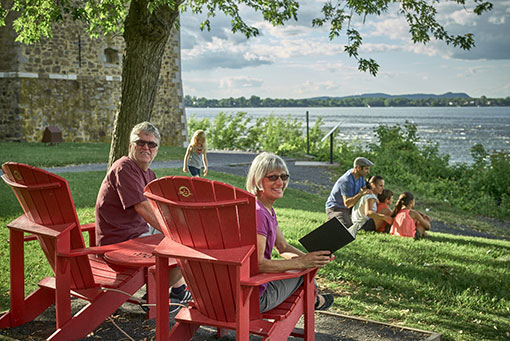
<point>50,217</point>
<point>135,252</point>
<point>207,227</point>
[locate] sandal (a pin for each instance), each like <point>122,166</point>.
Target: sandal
<point>328,302</point>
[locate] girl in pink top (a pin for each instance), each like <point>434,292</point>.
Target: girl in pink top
<point>407,221</point>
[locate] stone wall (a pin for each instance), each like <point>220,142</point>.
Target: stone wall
<point>74,82</point>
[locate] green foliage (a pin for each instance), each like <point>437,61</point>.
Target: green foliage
<point>282,136</point>
<point>236,131</point>
<point>226,132</point>
<point>194,124</point>
<point>256,102</point>
<point>398,156</point>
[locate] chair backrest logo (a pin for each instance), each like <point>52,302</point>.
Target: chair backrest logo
<point>185,192</point>
<point>17,175</point>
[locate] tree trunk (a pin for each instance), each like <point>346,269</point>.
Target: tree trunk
<point>146,35</point>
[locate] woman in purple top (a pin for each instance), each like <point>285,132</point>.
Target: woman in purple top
<point>267,179</point>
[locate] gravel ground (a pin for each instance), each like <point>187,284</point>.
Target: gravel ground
<point>129,323</point>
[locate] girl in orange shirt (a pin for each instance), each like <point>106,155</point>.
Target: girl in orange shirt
<point>408,222</point>
<point>383,207</point>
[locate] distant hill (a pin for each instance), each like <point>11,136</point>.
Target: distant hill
<point>408,96</point>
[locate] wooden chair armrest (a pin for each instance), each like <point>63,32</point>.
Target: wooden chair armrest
<point>146,244</point>
<point>232,256</point>
<point>91,230</point>
<point>94,250</point>
<point>90,227</point>
<point>22,223</point>
<point>268,277</point>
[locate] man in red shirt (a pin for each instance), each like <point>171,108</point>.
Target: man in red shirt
<point>122,211</point>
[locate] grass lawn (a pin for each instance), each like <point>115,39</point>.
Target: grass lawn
<point>69,153</point>
<point>457,286</point>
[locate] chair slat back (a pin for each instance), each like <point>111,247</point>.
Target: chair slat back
<point>217,216</point>
<point>46,200</point>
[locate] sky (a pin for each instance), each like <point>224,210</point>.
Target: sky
<point>300,61</point>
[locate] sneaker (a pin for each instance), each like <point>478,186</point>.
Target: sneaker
<point>328,302</point>
<point>183,297</point>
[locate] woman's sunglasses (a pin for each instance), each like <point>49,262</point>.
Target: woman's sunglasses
<point>141,143</point>
<point>275,177</point>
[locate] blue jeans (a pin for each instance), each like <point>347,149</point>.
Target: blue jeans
<point>194,171</point>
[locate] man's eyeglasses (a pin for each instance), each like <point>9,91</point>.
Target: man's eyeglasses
<point>141,143</point>
<point>275,177</point>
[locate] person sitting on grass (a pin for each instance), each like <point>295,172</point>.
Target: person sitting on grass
<point>383,207</point>
<point>408,222</point>
<point>267,179</point>
<point>364,212</point>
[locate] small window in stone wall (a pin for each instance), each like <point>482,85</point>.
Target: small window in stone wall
<point>111,56</point>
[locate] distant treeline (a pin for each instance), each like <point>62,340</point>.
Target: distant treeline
<point>255,101</point>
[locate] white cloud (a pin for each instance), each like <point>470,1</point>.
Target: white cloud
<point>463,18</point>
<point>240,82</point>
<point>394,28</point>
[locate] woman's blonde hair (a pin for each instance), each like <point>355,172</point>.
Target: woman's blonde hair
<point>199,134</point>
<point>262,164</point>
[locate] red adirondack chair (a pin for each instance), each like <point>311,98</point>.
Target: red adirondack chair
<point>50,217</point>
<point>210,229</point>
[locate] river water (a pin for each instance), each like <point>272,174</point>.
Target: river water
<point>456,129</point>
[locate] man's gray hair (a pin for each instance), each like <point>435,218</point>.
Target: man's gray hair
<point>145,127</point>
<point>264,163</point>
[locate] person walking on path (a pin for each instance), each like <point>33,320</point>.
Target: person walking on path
<point>348,189</point>
<point>122,211</point>
<point>196,155</point>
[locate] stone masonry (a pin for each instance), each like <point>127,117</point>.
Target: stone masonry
<point>73,82</point>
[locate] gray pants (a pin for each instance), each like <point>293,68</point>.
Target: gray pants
<point>277,292</point>
<point>342,213</point>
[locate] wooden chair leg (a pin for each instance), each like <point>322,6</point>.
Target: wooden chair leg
<point>183,331</point>
<point>162,290</point>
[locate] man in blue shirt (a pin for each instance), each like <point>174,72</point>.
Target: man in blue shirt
<point>348,189</point>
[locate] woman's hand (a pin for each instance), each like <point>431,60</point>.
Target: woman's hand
<point>316,259</point>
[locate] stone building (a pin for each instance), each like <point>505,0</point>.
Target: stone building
<point>74,82</point>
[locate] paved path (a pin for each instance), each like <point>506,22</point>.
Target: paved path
<point>309,178</point>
